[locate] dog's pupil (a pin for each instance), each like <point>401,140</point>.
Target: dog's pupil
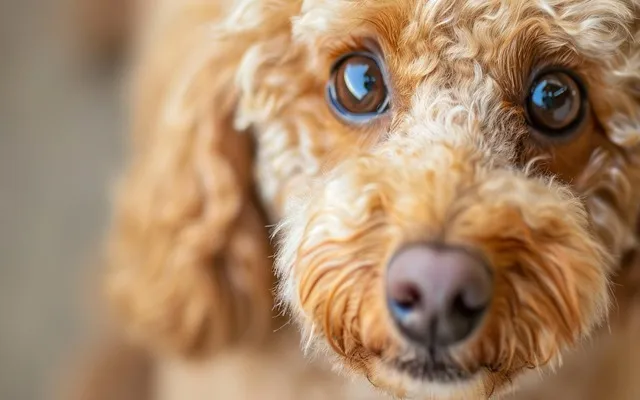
<point>550,95</point>
<point>358,80</point>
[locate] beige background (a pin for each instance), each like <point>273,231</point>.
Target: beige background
<point>59,144</point>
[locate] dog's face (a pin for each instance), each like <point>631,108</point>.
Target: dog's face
<point>456,180</point>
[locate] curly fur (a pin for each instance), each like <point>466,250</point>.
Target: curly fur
<point>232,134</point>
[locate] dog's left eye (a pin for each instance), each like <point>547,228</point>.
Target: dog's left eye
<point>357,90</point>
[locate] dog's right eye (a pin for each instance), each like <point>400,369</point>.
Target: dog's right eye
<point>357,90</point>
<point>556,103</point>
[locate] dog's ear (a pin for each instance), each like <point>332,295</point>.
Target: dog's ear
<point>189,256</point>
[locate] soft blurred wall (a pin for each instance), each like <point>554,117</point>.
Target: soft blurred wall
<point>60,134</point>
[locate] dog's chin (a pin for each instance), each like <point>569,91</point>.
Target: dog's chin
<point>433,367</point>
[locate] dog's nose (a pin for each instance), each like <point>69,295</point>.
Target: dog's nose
<point>436,294</point>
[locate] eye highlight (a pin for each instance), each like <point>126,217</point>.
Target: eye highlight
<point>556,103</point>
<point>357,90</point>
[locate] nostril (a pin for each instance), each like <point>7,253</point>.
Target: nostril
<point>465,308</point>
<point>405,297</point>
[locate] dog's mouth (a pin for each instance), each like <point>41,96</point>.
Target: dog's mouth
<point>432,366</point>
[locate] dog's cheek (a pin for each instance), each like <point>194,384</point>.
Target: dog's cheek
<point>331,264</point>
<point>339,287</point>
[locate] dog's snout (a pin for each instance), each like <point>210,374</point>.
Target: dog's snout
<point>437,295</point>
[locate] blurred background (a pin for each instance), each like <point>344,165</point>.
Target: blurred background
<point>61,131</point>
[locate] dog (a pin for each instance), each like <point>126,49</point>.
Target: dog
<point>450,189</point>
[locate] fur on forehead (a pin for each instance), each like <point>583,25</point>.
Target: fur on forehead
<point>596,28</point>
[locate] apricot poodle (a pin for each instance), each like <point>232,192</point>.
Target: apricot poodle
<point>451,187</point>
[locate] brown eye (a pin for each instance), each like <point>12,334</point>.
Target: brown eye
<point>556,104</point>
<point>357,90</point>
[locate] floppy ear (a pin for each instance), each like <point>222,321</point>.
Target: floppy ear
<point>189,257</point>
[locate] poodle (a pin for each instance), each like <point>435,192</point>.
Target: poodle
<point>424,199</point>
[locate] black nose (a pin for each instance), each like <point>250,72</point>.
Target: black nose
<point>437,295</point>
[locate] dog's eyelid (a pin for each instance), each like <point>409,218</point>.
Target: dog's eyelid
<point>339,47</point>
<point>374,47</point>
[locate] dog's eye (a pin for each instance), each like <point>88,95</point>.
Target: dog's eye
<point>555,105</point>
<point>357,89</point>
